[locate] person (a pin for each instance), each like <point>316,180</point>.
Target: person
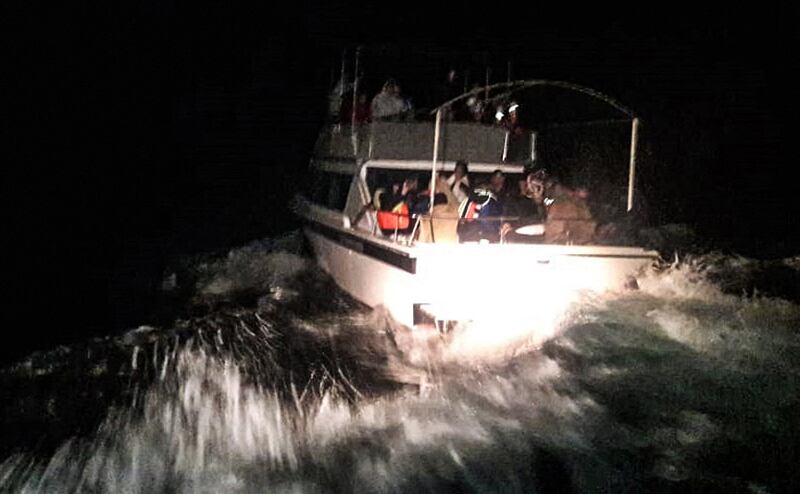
<point>442,225</point>
<point>451,88</point>
<point>518,143</point>
<point>475,109</point>
<point>394,206</point>
<point>388,103</point>
<point>568,218</point>
<point>337,97</point>
<point>511,121</point>
<point>479,217</point>
<point>525,209</point>
<point>497,184</point>
<point>458,182</point>
<point>362,112</point>
<point>482,210</point>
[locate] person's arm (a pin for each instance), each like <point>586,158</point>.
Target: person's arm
<point>443,188</point>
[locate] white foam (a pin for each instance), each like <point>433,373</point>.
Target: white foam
<point>632,387</point>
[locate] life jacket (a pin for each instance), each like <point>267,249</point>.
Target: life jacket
<point>396,219</point>
<point>476,212</point>
<point>481,199</point>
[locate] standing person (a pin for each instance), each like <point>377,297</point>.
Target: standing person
<point>337,98</point>
<point>451,88</point>
<point>458,182</point>
<point>475,109</point>
<point>511,122</point>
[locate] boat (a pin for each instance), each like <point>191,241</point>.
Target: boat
<point>425,278</point>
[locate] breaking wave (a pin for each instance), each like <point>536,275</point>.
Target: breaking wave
<point>279,382</point>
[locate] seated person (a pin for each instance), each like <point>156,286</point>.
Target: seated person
<point>422,202</point>
<point>480,216</point>
<point>525,209</point>
<point>441,225</point>
<point>394,206</point>
<point>388,104</point>
<point>568,218</point>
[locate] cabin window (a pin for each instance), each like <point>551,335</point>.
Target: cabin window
<point>330,189</point>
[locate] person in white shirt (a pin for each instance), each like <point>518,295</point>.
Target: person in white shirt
<point>388,103</point>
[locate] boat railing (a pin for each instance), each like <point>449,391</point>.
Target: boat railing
<point>474,142</point>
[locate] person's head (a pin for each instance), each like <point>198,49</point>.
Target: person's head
<point>389,86</point>
<point>536,182</point>
<point>513,112</point>
<point>410,183</point>
<point>461,169</point>
<point>477,113</point>
<point>475,107</point>
<point>497,181</point>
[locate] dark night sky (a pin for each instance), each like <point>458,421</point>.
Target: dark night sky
<point>118,169</point>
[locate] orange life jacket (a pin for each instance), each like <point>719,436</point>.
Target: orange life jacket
<point>396,219</point>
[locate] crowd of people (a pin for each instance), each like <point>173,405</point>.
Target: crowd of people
<point>484,208</point>
<point>492,210</point>
<point>390,104</point>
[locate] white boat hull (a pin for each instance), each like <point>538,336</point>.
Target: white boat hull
<point>463,280</point>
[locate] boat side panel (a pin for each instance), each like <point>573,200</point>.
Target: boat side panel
<point>368,279</point>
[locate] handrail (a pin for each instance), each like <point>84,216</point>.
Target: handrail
<point>516,86</point>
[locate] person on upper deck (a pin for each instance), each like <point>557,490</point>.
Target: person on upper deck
<point>336,98</point>
<point>362,112</point>
<point>450,89</point>
<point>511,121</point>
<point>476,108</point>
<point>388,103</point>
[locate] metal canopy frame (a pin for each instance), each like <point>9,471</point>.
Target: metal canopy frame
<point>509,88</point>
<point>517,86</point>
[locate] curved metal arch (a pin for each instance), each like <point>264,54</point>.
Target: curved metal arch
<point>516,86</point>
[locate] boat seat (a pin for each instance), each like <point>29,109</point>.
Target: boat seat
<point>441,228</point>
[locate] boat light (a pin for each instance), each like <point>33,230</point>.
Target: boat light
<point>511,292</point>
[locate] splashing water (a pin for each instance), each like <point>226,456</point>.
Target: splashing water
<point>686,384</point>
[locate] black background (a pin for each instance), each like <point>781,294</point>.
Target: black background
<point>141,132</point>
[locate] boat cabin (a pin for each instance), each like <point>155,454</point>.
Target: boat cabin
<point>383,221</point>
<point>359,173</point>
